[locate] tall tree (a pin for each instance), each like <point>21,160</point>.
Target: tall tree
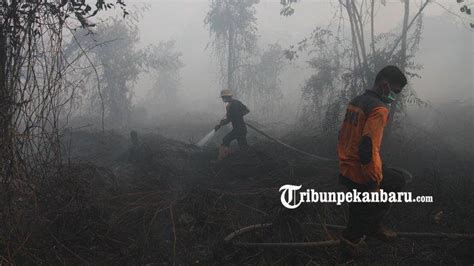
<point>355,61</point>
<point>118,62</point>
<point>232,25</point>
<point>31,70</point>
<point>121,62</point>
<point>403,63</point>
<point>32,67</point>
<point>166,64</point>
<point>261,82</point>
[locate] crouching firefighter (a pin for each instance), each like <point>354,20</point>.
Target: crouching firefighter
<point>235,112</point>
<point>361,168</point>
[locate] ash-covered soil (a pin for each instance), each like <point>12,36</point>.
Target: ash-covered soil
<point>165,202</point>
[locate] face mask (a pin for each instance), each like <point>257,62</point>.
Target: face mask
<point>390,97</point>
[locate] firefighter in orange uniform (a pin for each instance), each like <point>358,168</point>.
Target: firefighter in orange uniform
<point>360,164</point>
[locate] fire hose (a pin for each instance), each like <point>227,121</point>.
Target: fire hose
<point>204,140</point>
<point>408,175</point>
<point>288,146</point>
<point>325,243</point>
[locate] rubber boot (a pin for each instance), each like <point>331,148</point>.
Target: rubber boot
<point>224,152</point>
<point>378,229</point>
<point>353,249</point>
<point>383,233</point>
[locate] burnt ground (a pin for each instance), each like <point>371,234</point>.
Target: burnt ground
<point>164,202</point>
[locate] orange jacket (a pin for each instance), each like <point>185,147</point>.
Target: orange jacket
<point>360,137</point>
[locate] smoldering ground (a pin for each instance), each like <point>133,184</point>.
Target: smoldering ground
<point>77,188</point>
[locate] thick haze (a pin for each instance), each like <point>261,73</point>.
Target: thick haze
<point>446,49</point>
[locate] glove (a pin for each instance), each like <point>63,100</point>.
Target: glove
<point>217,127</point>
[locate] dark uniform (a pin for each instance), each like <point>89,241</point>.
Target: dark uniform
<point>235,114</point>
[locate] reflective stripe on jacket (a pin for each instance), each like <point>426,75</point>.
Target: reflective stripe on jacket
<point>360,137</point>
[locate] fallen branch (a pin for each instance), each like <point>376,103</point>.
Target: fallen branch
<point>69,250</point>
<point>418,234</point>
<point>244,230</point>
<point>327,243</point>
<point>174,233</point>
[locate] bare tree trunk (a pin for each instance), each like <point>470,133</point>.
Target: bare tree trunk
<point>359,29</point>
<point>409,25</point>
<point>230,60</point>
<point>357,42</point>
<point>5,106</point>
<point>372,35</point>
<point>403,51</point>
<point>353,31</point>
<point>3,89</point>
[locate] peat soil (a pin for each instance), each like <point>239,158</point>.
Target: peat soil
<point>166,202</point>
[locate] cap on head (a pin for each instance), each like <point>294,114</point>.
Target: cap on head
<point>393,75</point>
<point>226,93</point>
